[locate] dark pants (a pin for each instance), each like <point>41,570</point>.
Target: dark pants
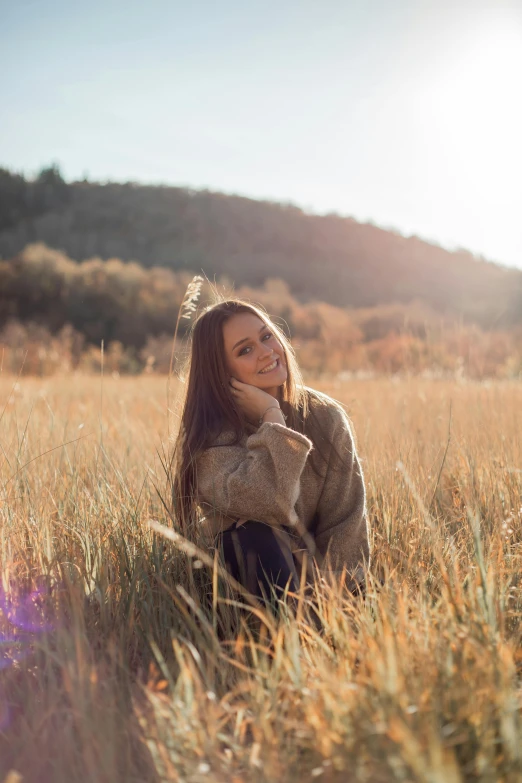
<point>257,559</point>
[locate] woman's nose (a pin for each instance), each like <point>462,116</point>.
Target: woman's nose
<point>266,351</point>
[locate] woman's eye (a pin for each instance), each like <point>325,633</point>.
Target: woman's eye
<point>268,334</point>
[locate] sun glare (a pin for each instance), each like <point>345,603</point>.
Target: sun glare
<point>480,95</point>
<point>475,127</point>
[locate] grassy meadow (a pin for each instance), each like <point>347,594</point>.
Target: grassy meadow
<point>124,656</point>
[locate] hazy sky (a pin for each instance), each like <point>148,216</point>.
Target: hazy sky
<point>405,112</point>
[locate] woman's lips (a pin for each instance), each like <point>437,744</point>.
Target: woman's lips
<point>267,372</point>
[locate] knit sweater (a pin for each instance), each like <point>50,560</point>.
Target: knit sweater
<point>268,477</point>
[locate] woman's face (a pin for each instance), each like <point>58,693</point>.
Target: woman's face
<point>250,347</point>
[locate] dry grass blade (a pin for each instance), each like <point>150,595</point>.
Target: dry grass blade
<point>187,307</point>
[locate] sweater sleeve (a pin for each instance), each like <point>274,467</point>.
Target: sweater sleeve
<point>341,533</point>
<point>259,481</point>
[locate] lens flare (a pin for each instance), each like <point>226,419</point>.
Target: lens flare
<point>24,616</point>
<point>26,612</point>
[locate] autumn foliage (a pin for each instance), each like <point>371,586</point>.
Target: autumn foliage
<point>57,315</point>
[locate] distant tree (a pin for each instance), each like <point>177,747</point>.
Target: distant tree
<point>13,199</point>
<point>49,189</point>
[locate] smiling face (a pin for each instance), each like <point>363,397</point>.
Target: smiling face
<point>250,347</point>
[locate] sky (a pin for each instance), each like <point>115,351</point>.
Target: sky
<point>406,113</point>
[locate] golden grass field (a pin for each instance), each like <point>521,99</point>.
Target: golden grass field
<point>121,661</point>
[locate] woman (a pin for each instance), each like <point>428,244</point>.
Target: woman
<point>269,462</point>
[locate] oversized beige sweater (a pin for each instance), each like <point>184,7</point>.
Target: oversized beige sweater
<point>268,477</point>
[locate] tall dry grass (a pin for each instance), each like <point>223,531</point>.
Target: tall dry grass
<point>125,659</point>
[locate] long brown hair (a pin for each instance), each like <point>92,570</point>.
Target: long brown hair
<point>208,407</point>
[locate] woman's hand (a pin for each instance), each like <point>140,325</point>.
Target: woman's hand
<point>252,401</point>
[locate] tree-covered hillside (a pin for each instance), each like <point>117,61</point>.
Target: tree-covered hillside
<point>329,258</point>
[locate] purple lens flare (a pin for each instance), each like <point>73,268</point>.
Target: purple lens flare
<point>24,616</point>
<point>26,612</point>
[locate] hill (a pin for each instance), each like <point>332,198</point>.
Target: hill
<point>331,258</point>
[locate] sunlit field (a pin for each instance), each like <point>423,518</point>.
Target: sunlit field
<point>125,657</point>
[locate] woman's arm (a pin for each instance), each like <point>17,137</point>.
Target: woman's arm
<point>341,533</point>
<point>258,481</point>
